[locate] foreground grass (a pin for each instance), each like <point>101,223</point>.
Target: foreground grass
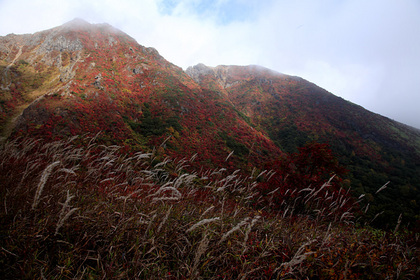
<point>94,213</point>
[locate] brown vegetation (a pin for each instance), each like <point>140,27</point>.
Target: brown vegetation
<point>96,213</point>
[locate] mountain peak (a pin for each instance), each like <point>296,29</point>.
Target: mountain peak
<point>226,75</point>
<point>197,71</point>
<point>76,23</point>
<point>79,24</point>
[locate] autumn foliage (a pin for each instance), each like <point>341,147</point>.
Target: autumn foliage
<point>117,164</point>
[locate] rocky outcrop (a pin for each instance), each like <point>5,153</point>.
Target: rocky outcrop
<point>221,73</point>
<point>56,42</point>
<point>196,72</point>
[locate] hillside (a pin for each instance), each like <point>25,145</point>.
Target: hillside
<point>93,78</point>
<point>292,111</point>
<point>105,141</point>
<point>81,78</point>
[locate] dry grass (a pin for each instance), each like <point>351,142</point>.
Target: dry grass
<point>105,215</point>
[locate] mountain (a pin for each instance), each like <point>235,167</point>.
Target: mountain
<point>261,93</point>
<point>80,78</point>
<point>85,79</point>
<point>292,111</point>
<point>117,164</point>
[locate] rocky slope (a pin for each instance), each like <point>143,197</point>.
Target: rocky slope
<point>81,78</point>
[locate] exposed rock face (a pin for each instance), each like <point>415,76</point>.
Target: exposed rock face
<point>59,43</point>
<point>197,71</point>
<point>138,70</point>
<point>35,65</point>
<point>97,82</point>
<point>230,75</point>
<point>220,73</point>
<point>47,47</point>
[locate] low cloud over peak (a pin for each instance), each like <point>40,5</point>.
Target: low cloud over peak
<point>364,51</point>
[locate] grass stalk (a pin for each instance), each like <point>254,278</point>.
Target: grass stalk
<point>44,177</point>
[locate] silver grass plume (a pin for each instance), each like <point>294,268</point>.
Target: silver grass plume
<point>235,228</point>
<point>202,222</point>
<point>382,188</point>
<point>45,174</point>
<point>202,247</point>
<point>63,217</point>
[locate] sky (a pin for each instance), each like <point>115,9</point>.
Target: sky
<point>366,51</point>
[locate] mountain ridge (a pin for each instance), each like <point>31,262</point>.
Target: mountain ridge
<point>117,163</point>
<point>221,75</point>
<point>82,78</point>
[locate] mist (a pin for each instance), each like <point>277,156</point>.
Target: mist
<point>364,51</point>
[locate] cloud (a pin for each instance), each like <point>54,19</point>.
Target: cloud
<point>365,51</point>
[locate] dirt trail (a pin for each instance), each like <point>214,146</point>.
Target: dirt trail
<point>17,56</point>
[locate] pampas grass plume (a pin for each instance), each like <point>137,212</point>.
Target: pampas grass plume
<point>45,175</point>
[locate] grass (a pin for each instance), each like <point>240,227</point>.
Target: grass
<point>95,213</point>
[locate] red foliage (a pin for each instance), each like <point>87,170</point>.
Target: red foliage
<point>311,174</point>
<point>313,164</point>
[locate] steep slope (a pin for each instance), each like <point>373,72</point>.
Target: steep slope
<point>118,164</point>
<point>84,79</point>
<point>81,78</point>
<point>292,111</point>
